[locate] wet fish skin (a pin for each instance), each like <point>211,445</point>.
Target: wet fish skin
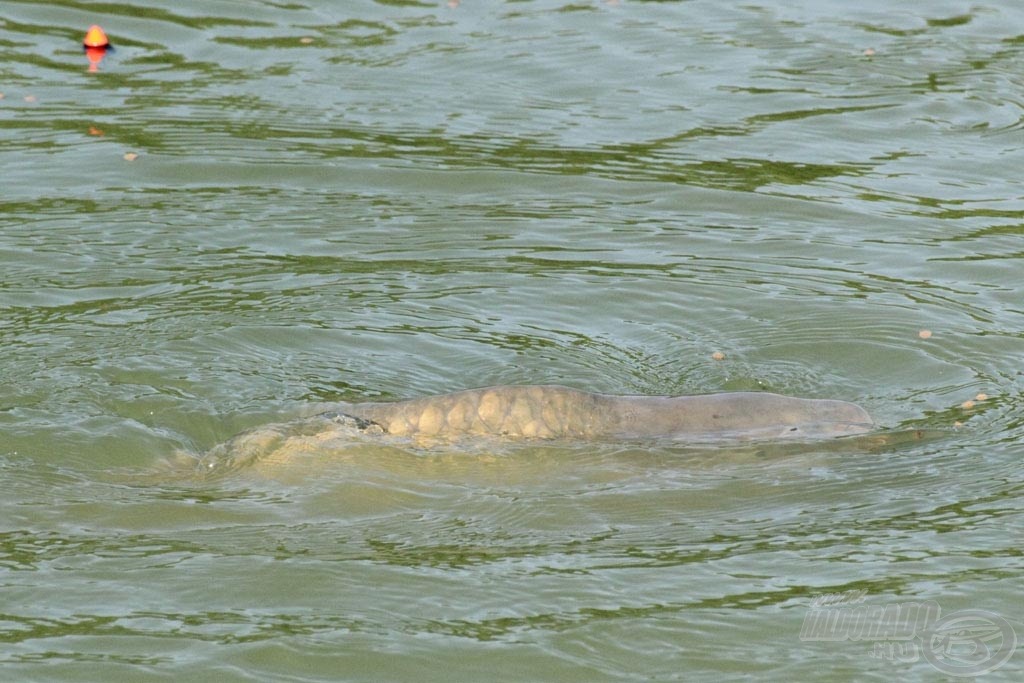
<point>541,412</point>
<point>558,412</point>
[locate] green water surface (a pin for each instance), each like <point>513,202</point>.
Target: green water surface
<point>380,200</point>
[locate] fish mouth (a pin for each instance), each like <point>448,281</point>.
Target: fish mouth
<point>805,431</point>
<point>825,430</point>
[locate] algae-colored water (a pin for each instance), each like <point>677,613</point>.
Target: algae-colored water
<point>382,200</point>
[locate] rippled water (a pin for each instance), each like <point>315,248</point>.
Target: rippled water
<point>380,200</point>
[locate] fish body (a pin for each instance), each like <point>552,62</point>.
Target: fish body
<point>556,412</point>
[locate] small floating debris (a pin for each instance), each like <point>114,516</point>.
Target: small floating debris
<point>869,52</point>
<point>970,403</point>
<point>130,156</point>
<point>93,130</point>
<point>969,406</point>
<point>718,355</point>
<point>925,334</point>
